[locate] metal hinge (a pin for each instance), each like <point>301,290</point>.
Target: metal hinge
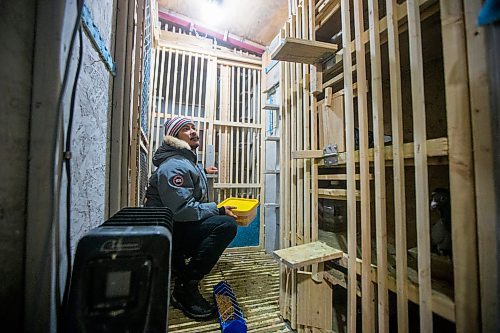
<point>331,155</point>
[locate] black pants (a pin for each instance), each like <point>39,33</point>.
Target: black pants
<point>202,242</point>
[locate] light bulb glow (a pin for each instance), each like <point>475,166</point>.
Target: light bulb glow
<point>211,14</point>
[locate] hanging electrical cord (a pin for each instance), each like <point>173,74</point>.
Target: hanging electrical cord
<point>56,154</point>
<point>67,160</point>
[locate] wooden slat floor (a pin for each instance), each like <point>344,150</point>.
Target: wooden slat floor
<point>254,277</point>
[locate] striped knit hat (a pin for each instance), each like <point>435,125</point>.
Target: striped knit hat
<point>174,125</point>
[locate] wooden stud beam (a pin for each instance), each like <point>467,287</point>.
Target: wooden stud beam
<point>421,171</point>
<point>481,113</point>
<point>338,194</point>
<point>463,208</point>
<point>351,166</point>
<point>338,177</point>
<point>401,287</point>
<point>380,191</point>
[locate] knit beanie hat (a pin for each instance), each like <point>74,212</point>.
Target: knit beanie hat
<point>174,125</point>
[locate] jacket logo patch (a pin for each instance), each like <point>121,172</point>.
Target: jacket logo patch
<point>178,180</point>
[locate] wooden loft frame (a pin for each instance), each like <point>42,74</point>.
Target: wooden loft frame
<point>302,85</point>
<point>220,90</point>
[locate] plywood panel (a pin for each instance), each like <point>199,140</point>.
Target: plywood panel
<point>314,302</point>
<point>421,172</point>
<point>333,126</point>
<point>463,228</point>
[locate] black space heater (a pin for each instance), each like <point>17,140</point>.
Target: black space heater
<point>121,274</point>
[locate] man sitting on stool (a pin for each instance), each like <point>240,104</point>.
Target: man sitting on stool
<point>201,230</point>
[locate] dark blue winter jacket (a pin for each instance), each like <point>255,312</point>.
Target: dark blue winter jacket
<point>179,183</point>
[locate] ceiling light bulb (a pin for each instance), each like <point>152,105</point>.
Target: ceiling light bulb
<point>211,14</point>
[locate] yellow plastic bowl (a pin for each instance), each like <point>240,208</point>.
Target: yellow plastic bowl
<point>246,209</point>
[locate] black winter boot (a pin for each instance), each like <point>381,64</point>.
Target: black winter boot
<point>187,298</point>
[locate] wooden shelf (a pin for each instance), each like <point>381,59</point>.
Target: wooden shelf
<point>271,107</point>
<point>303,51</point>
<point>272,138</point>
<point>307,254</point>
<point>435,148</point>
<point>271,172</point>
<point>325,10</point>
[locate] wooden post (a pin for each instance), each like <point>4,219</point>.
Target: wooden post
<point>479,90</point>
<point>380,199</point>
<point>299,114</point>
<point>421,178</point>
<point>462,191</point>
<point>366,283</point>
<point>293,183</point>
<point>398,166</point>
<point>351,168</point>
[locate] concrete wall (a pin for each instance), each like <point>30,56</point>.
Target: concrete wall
<point>16,55</point>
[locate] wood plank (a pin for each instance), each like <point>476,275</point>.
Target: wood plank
<point>351,167</point>
<point>333,120</point>
<point>380,191</point>
<point>316,83</point>
<point>224,109</point>
<point>299,115</point>
<point>293,184</point>
<point>421,172</point>
<point>307,254</point>
<point>181,84</point>
<point>158,69</point>
<point>271,107</point>
<point>303,51</point>
<point>133,178</point>
<point>307,127</point>
<point>435,148</point>
<point>339,194</point>
<point>398,166</point>
<point>481,110</point>
<point>366,297</point>
<point>314,303</point>
<point>462,188</point>
<point>327,13</point>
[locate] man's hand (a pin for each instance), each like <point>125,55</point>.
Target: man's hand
<point>228,210</point>
<point>211,170</point>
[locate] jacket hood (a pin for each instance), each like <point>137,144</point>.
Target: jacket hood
<point>173,146</point>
